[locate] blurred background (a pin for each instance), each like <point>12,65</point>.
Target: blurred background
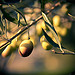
<point>41,61</point>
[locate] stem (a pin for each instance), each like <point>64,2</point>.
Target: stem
<point>6,29</point>
<point>28,26</point>
<point>73,17</point>
<point>63,53</point>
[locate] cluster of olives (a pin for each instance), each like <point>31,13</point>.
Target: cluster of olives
<point>45,44</point>
<point>24,47</point>
<point>22,43</point>
<point>61,30</point>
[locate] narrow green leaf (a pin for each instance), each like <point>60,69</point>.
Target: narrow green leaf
<point>53,43</point>
<point>18,16</point>
<point>50,26</point>
<point>1,24</point>
<point>46,19</point>
<point>9,18</point>
<point>19,23</point>
<point>52,30</point>
<point>49,39</point>
<point>68,51</point>
<point>56,37</point>
<point>13,7</point>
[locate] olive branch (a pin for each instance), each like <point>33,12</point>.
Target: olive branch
<point>29,25</point>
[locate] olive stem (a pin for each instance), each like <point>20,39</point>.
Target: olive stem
<point>62,53</point>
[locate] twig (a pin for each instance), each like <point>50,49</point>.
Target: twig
<point>62,53</point>
<point>28,26</point>
<point>73,17</point>
<point>65,53</point>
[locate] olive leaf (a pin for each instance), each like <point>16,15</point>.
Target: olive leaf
<point>51,27</point>
<point>1,24</point>
<point>13,7</point>
<point>46,19</point>
<point>55,44</point>
<point>18,16</point>
<point>52,30</point>
<point>9,18</point>
<point>49,39</point>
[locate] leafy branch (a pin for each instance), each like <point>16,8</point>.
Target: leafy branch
<point>28,26</point>
<point>8,16</point>
<point>58,45</point>
<point>53,31</point>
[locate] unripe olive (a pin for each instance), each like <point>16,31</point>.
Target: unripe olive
<point>63,31</point>
<point>25,48</point>
<point>14,44</point>
<point>33,38</point>
<point>46,45</point>
<point>43,25</point>
<point>8,50</point>
<point>42,39</point>
<point>56,20</point>
<point>39,27</point>
<point>58,29</point>
<point>39,30</point>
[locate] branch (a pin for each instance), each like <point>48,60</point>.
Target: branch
<point>28,26</point>
<point>63,53</point>
<point>73,17</point>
